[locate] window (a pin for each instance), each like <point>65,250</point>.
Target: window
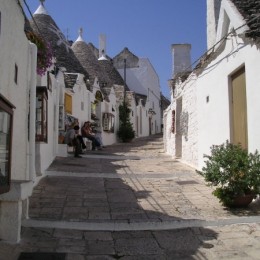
<point>68,103</point>
<point>108,122</point>
<point>173,121</point>
<point>16,74</point>
<point>49,82</point>
<point>41,114</point>
<point>6,122</point>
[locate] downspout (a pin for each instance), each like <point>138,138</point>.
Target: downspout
<point>33,52</point>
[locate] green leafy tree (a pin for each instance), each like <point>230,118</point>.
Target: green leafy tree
<point>125,131</point>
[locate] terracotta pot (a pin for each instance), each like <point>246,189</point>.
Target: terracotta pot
<point>242,201</point>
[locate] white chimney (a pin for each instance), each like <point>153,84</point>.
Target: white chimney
<point>181,58</point>
<point>213,9</point>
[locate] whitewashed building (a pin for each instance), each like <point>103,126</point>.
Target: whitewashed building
<point>17,125</point>
<point>217,101</point>
<point>104,80</point>
<point>142,79</point>
<point>63,93</point>
<point>36,110</point>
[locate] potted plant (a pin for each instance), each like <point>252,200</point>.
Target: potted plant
<point>234,172</point>
<point>125,132</point>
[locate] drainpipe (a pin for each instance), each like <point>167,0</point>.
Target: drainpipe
<point>33,52</point>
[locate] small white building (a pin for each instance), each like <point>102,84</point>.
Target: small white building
<point>217,101</point>
<point>17,119</point>
<point>63,93</point>
<point>104,107</point>
<point>141,78</point>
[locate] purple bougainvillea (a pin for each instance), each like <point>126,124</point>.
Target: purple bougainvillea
<point>44,53</point>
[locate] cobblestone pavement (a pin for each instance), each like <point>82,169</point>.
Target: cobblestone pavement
<point>131,201</point>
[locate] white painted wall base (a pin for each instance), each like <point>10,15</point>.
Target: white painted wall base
<point>62,150</point>
<point>12,211</point>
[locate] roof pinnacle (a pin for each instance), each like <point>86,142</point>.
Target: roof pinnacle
<point>80,38</point>
<point>41,9</point>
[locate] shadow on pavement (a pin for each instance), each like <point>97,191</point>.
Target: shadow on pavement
<point>113,199</point>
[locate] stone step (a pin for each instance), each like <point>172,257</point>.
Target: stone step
<point>137,226</point>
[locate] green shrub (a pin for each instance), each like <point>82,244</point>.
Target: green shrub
<point>233,171</point>
<point>125,132</point>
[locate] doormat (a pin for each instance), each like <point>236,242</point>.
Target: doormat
<point>41,256</point>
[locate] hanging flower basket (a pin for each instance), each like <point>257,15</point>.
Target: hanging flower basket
<point>44,54</point>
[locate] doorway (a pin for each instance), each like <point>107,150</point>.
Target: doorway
<point>239,109</point>
<point>178,136</point>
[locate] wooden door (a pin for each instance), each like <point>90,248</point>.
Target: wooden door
<point>239,109</point>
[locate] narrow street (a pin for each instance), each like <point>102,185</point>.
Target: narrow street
<point>131,201</point>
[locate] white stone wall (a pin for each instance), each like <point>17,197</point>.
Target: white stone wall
<point>168,136</point>
<point>46,152</point>
<point>207,96</point>
<point>214,82</point>
<point>186,124</point>
<point>189,122</point>
<point>144,80</point>
<point>109,138</point>
<point>15,50</point>
<point>150,80</point>
<point>143,119</point>
<point>80,104</point>
<point>207,101</point>
<point>213,8</point>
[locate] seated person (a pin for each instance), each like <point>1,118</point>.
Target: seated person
<point>86,131</point>
<point>98,136</point>
<point>72,139</point>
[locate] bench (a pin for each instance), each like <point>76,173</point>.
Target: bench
<point>88,143</point>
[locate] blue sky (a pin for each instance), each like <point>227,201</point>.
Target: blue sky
<point>146,27</point>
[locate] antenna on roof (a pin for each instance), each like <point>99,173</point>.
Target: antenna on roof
<point>42,1</point>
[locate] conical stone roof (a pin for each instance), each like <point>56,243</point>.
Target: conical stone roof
<point>108,66</point>
<point>250,10</point>
<point>44,25</point>
<point>89,61</point>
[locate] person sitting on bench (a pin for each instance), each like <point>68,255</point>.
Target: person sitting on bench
<point>86,131</point>
<point>72,139</point>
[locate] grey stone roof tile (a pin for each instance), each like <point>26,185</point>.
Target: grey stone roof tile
<point>61,47</point>
<point>250,10</point>
<point>89,61</point>
<point>70,80</point>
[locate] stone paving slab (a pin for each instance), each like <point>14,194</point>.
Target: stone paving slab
<point>133,202</point>
<point>225,242</point>
<point>148,199</point>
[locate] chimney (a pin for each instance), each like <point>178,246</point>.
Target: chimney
<point>213,9</point>
<point>102,46</point>
<point>181,58</point>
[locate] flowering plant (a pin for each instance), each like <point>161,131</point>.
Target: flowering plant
<point>44,54</point>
